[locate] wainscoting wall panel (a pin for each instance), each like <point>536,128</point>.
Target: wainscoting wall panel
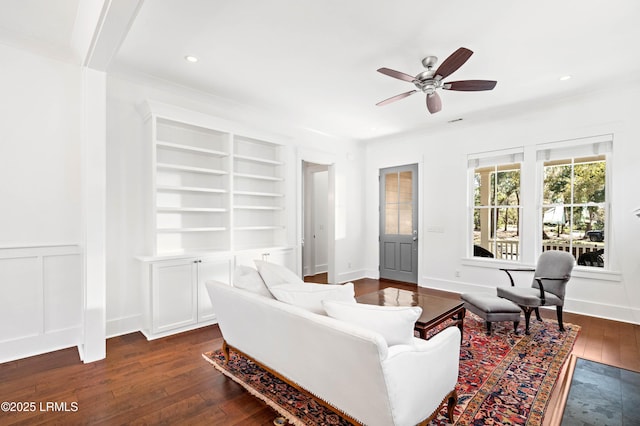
<point>41,299</point>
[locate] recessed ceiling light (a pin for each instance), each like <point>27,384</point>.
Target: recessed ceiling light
<point>190,58</point>
<point>565,77</point>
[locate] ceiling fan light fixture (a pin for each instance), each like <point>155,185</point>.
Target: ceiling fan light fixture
<point>430,80</point>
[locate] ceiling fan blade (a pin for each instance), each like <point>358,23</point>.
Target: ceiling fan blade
<point>453,62</point>
<point>470,85</point>
<point>434,103</point>
<point>396,97</point>
<point>396,74</point>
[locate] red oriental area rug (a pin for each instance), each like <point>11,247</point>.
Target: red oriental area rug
<point>504,378</point>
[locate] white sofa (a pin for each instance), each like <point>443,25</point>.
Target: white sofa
<point>348,366</point>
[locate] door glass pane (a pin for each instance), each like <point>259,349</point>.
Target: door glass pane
<point>391,219</point>
<point>405,207</point>
<point>405,187</point>
<point>405,213</point>
<point>391,188</point>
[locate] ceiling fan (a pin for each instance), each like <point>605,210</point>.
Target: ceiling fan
<point>429,80</point>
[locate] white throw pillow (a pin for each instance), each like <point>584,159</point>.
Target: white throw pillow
<point>248,278</point>
<point>311,296</point>
<point>275,275</point>
<point>395,323</point>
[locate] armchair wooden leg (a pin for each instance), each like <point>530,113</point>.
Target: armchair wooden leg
<point>527,317</point>
<point>451,405</point>
<point>559,311</point>
<point>515,326</point>
<point>225,351</point>
<point>538,315</point>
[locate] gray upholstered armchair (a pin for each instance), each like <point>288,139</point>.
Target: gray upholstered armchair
<point>548,288</point>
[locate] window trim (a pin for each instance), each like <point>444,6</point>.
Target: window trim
<point>492,159</point>
<point>567,150</point>
<point>531,187</point>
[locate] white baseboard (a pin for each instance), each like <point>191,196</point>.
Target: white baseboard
<point>602,310</point>
<point>123,325</point>
<point>39,344</point>
<point>351,276</point>
<point>583,307</point>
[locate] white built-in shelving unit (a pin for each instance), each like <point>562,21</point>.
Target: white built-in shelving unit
<point>214,190</point>
<point>258,193</point>
<point>218,198</point>
<point>191,187</point>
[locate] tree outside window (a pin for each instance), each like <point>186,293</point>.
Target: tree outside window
<point>497,211</point>
<point>574,208</point>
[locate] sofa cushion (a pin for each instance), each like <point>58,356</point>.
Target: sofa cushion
<point>248,278</point>
<point>310,296</point>
<point>394,323</point>
<point>274,275</point>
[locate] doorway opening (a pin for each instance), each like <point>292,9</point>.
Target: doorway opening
<point>317,220</point>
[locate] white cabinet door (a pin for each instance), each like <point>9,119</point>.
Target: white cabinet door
<point>282,257</point>
<point>209,269</point>
<point>174,294</point>
<point>279,256</point>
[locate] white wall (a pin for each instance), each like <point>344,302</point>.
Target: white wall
<point>40,151</point>
<point>127,170</point>
<point>41,281</point>
<point>443,193</point>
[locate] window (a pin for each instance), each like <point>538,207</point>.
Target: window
<point>574,208</point>
<point>565,207</point>
<point>496,207</point>
<point>574,201</point>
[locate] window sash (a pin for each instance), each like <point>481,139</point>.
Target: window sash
<point>573,153</point>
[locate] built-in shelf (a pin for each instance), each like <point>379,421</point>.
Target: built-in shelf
<point>258,194</point>
<point>191,209</point>
<point>190,189</point>
<point>258,207</point>
<point>257,228</point>
<point>258,160</point>
<point>190,169</point>
<point>206,229</point>
<point>180,147</point>
<point>258,177</point>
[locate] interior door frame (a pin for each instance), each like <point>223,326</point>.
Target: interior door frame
<point>310,246</point>
<point>329,160</point>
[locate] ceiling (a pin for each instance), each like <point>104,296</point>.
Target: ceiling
<point>314,62</point>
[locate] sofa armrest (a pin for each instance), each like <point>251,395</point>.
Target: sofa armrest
<point>420,376</point>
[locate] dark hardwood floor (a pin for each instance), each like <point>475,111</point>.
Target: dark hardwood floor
<point>322,278</point>
<point>166,381</point>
